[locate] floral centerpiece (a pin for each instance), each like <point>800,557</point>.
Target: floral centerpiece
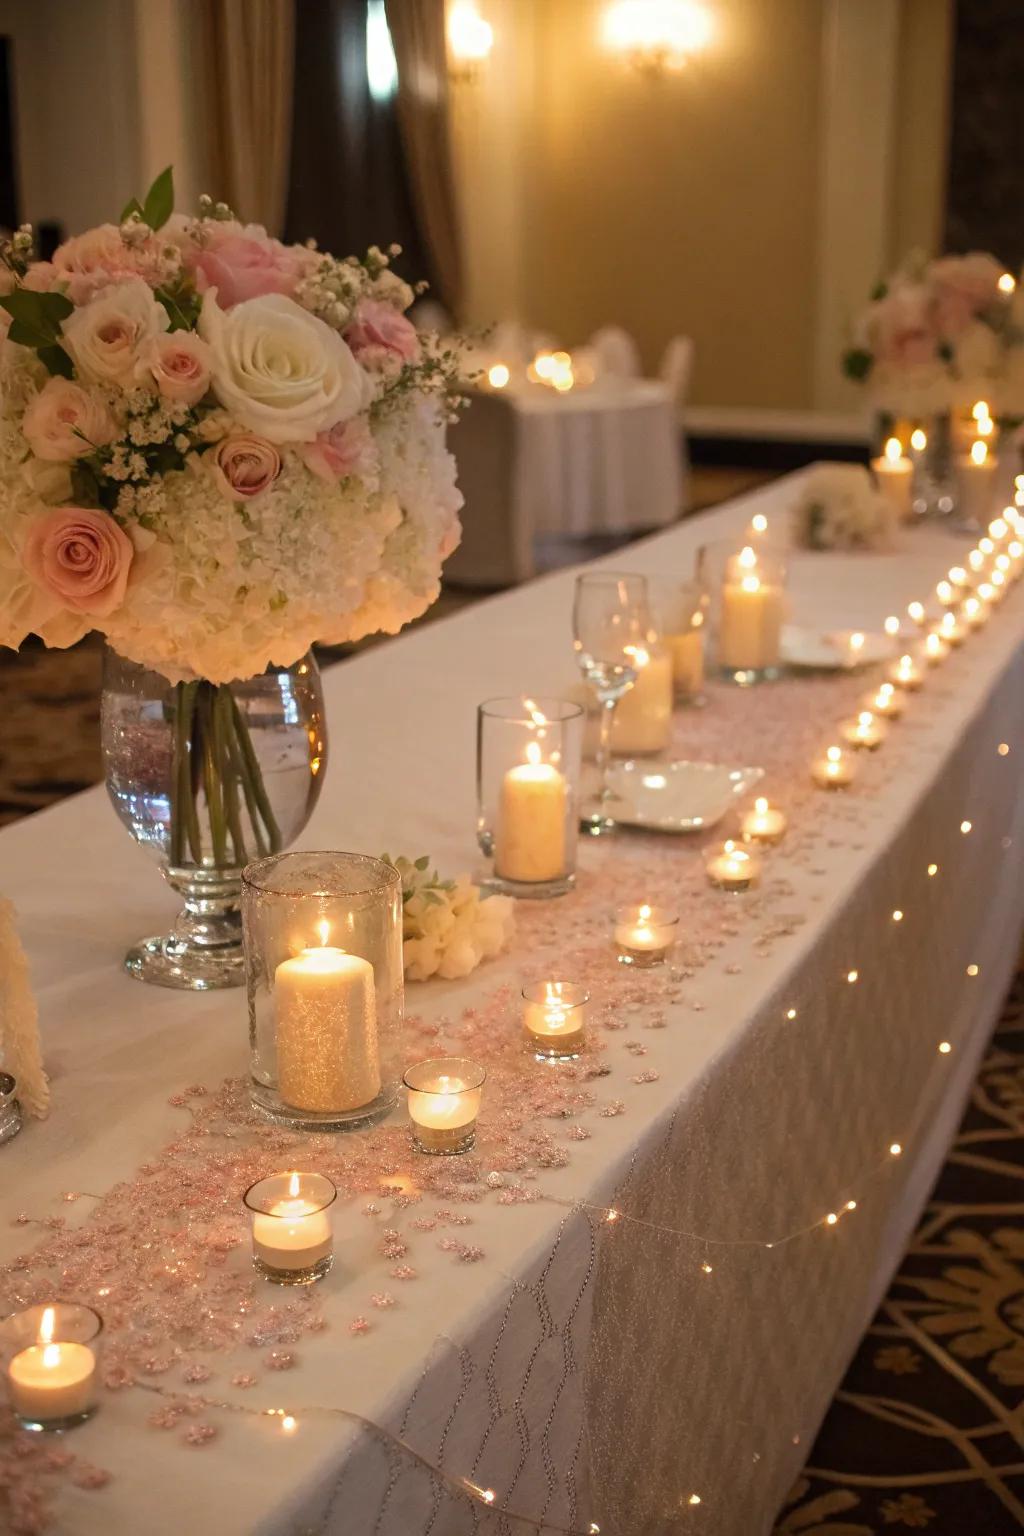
<point>839,507</point>
<point>939,335</point>
<point>216,449</point>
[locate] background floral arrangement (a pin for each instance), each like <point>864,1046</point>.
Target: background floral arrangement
<point>940,334</point>
<point>839,507</point>
<point>214,447</point>
<point>447,927</point>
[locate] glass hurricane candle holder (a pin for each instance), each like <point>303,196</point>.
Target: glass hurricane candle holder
<point>554,1019</point>
<point>732,868</point>
<point>528,801</point>
<point>50,1357</point>
<point>644,935</point>
<point>292,1232</point>
<point>10,1108</point>
<point>748,599</point>
<point>323,960</point>
<point>444,1102</point>
<point>681,611</point>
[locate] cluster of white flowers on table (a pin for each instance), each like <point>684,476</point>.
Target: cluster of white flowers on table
<point>448,927</point>
<point>839,506</point>
<point>214,447</point>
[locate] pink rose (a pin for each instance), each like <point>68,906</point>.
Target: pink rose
<point>900,327</point>
<point>964,287</point>
<point>64,421</point>
<point>179,363</point>
<point>93,261</point>
<point>346,449</point>
<point>379,335</point>
<point>40,277</point>
<point>244,266</point>
<point>81,556</point>
<point>245,466</point>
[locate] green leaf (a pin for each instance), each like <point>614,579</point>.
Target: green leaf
<point>56,360</point>
<point>84,486</point>
<point>131,206</point>
<point>423,862</point>
<point>879,291</point>
<point>857,364</point>
<point>159,203</point>
<point>36,317</point>
<point>182,308</point>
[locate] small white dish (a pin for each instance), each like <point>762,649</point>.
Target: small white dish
<point>676,796</point>
<point>832,651</point>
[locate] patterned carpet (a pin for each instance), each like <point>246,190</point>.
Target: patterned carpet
<point>926,1432</point>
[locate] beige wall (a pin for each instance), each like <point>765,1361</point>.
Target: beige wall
<point>726,203</point>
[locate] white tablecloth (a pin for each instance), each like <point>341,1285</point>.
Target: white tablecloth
<point>582,1376</point>
<point>604,459</point>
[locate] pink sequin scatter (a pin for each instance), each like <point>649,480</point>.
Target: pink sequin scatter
<point>646,1077</point>
<point>279,1360</point>
<point>358,1325</point>
<point>200,1434</point>
<point>244,1379</point>
<point>85,1475</point>
<point>616,1107</point>
<point>382,1299</point>
<point>403,1272</point>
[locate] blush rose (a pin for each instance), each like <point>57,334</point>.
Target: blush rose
<point>81,556</point>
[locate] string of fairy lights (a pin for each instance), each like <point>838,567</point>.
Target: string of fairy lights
<point>970,593</point>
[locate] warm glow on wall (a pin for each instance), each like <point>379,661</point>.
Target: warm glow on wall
<point>470,40</point>
<point>656,35</point>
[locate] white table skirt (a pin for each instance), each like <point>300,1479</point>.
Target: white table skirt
<point>584,1371</point>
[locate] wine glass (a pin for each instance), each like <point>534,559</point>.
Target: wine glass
<point>610,621</point>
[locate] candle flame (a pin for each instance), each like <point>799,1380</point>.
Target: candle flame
<point>51,1356</point>
<point>293,1186</point>
<point>533,753</point>
<point>759,523</point>
<point>892,625</point>
<point>975,559</point>
<point>760,805</point>
<point>918,440</point>
<point>893,450</point>
<point>747,557</point>
<point>986,427</point>
<point>857,640</point>
<point>957,574</point>
<point>645,913</point>
<point>979,452</point>
<point>751,584</point>
<point>834,754</point>
<point>324,930</point>
<point>47,1325</point>
<point>998,529</point>
<point>887,690</point>
<point>980,410</point>
<point>916,611</point>
<point>865,719</point>
<point>906,662</point>
<point>498,376</point>
<point>1007,283</point>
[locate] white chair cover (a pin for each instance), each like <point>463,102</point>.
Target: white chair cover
<point>497,542</point>
<point>677,369</point>
<point>617,353</point>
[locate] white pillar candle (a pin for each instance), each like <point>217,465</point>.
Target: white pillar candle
<point>326,1030</point>
<point>444,1102</point>
<point>554,1018</point>
<point>294,1233</point>
<point>764,824</point>
<point>976,475</point>
<point>887,702</point>
<point>644,935</point>
<point>905,674</point>
<point>865,733</point>
<point>835,770</point>
<point>894,476</point>
<point>530,834</point>
<point>750,625</point>
<point>49,1382</point>
<point>642,721</point>
<point>731,868</point>
<point>687,653</point>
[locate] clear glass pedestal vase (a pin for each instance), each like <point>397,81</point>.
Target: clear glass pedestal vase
<point>934,492</point>
<point>207,777</point>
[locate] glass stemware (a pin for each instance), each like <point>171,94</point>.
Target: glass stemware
<point>611,625</point>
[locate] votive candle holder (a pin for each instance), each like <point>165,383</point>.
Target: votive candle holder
<point>444,1101</point>
<point>50,1357</point>
<point>644,935</point>
<point>554,1019</point>
<point>292,1230</point>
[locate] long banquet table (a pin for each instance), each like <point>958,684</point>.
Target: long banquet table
<point>660,1372</point>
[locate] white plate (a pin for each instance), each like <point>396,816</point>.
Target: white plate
<point>831,652</point>
<point>676,796</point>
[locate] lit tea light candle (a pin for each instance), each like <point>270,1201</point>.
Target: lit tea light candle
<point>292,1236</point>
<point>998,529</point>
<point>1003,563</point>
<point>532,821</point>
<point>988,593</point>
<point>865,733</point>
<point>976,561</point>
<point>498,375</point>
<point>946,593</point>
<point>934,649</point>
<point>642,722</point>
<point>975,612</point>
<point>52,1382</point>
<point>892,626</point>
<point>554,1019</point>
<point>917,614</point>
<point>644,935</point>
<point>750,626</point>
<point>997,581</point>
<point>894,474</point>
<point>951,630</point>
<point>835,770</point>
<point>986,546</point>
<point>764,824</point>
<point>959,577</point>
<point>905,674</point>
<point>732,868</point>
<point>325,1024</point>
<point>887,703</point>
<point>444,1102</point>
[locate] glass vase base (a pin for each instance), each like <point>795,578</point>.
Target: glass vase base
<point>269,1103</point>
<point>54,1426</point>
<point>528,890</point>
<point>308,1276</point>
<point>167,961</point>
<point>598,824</point>
<point>750,677</point>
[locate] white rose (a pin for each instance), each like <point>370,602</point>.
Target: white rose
<point>280,370</point>
<point>64,421</point>
<point>107,336</point>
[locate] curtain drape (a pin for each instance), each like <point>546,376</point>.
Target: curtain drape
<point>418,33</point>
<point>251,73</point>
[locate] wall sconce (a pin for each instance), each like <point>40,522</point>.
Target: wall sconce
<point>656,36</point>
<point>470,40</point>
